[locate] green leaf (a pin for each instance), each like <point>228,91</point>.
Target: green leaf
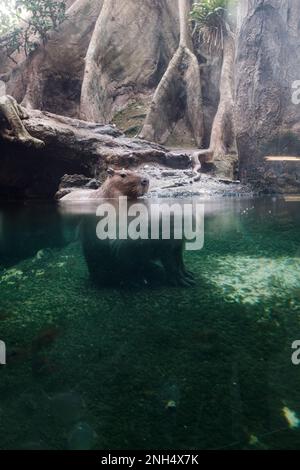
<point>40,17</point>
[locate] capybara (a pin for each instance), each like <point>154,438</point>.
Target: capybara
<point>119,183</point>
<point>119,261</point>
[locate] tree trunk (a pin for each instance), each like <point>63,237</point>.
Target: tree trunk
<point>130,44</point>
<point>123,50</point>
<point>12,128</point>
<point>222,134</point>
<point>50,78</point>
<point>178,96</point>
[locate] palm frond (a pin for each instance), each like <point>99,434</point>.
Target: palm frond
<point>211,19</point>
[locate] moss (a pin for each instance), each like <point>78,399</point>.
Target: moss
<point>131,119</point>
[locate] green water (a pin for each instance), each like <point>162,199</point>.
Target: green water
<point>154,367</point>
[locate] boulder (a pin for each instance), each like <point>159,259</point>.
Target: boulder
<point>71,147</point>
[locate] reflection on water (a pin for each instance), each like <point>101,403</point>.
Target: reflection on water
<point>152,365</point>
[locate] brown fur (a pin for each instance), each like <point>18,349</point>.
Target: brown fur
<point>119,183</point>
<point>123,183</point>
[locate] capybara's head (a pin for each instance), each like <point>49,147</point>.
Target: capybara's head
<point>129,183</point>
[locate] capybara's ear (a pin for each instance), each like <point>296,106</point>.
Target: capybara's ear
<point>110,171</point>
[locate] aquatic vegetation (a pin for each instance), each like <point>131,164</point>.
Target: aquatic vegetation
<point>256,443</point>
<point>11,275</point>
<point>254,279</point>
<point>40,254</point>
<point>171,405</point>
<point>40,272</point>
<point>253,440</point>
<point>170,395</point>
<point>4,315</point>
<point>61,265</point>
<point>180,368</point>
<point>291,417</point>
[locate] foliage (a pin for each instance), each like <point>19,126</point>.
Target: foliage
<point>212,21</point>
<point>26,23</point>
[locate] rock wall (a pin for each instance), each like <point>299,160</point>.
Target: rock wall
<point>71,147</point>
<point>126,47</point>
<point>105,63</point>
<point>50,78</point>
<point>267,116</point>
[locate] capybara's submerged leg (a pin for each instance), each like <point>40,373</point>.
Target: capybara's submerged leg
<point>175,269</point>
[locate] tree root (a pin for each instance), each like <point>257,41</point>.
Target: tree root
<point>12,128</point>
<point>222,134</point>
<point>178,95</point>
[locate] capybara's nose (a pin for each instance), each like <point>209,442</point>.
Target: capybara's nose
<point>145,181</point>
